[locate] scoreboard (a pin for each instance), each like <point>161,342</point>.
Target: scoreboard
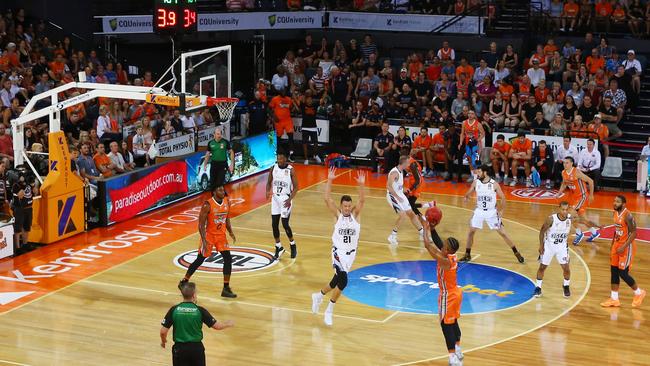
<point>172,17</point>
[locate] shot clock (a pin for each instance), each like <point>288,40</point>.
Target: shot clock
<point>174,16</point>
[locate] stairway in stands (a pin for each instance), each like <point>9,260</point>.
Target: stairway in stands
<point>512,16</point>
<point>636,129</point>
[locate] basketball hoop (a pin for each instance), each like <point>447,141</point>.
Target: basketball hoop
<point>225,106</point>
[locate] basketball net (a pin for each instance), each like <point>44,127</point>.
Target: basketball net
<point>225,106</point>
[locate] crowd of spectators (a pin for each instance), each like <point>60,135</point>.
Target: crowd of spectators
<point>581,90</point>
<point>437,7</point>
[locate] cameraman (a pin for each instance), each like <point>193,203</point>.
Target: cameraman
<point>24,191</point>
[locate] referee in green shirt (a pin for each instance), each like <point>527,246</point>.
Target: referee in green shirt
<point>219,150</point>
<point>187,319</point>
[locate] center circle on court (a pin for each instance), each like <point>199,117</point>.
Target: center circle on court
<point>412,286</point>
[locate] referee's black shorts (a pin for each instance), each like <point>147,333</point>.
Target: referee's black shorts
<point>188,354</point>
<point>218,170</point>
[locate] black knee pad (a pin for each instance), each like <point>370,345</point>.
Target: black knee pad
<point>342,280</point>
<point>227,262</point>
<point>625,275</point>
<point>615,275</point>
<point>275,224</point>
<point>334,281</point>
<point>287,228</point>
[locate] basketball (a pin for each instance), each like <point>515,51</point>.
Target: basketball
<point>433,215</point>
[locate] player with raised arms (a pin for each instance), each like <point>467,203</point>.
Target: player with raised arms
<point>487,210</point>
<point>345,240</point>
<point>574,180</point>
<point>553,238</point>
<point>397,199</point>
<point>282,187</point>
<point>214,220</point>
<point>450,297</point>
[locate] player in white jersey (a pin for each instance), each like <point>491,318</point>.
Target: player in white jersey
<point>397,199</point>
<point>282,187</point>
<point>553,243</point>
<point>345,239</point>
<point>487,210</point>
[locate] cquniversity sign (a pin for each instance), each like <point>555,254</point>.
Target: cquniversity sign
<point>411,286</point>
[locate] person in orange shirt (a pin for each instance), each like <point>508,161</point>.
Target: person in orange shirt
<point>103,163</point>
<point>464,68</point>
<point>147,79</point>
<point>420,146</point>
<point>578,128</point>
<point>594,62</point>
<point>58,68</point>
<point>550,48</point>
<point>622,253</point>
<point>499,156</point>
<point>413,183</point>
<point>471,135</point>
<point>541,91</point>
<point>603,13</point>
<point>450,297</point>
<point>520,154</point>
<point>280,107</point>
<point>579,196</point>
<point>214,221</point>
<point>436,153</point>
<point>505,89</point>
<point>603,133</point>
<point>618,15</point>
<point>569,14</point>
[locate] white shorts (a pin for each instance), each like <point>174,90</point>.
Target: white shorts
<point>343,260</point>
<point>559,251</point>
<point>398,206</point>
<point>491,217</point>
<point>277,206</point>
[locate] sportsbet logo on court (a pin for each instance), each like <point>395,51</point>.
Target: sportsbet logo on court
<point>412,286</point>
<point>409,282</point>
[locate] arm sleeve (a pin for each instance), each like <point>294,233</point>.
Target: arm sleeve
<point>207,318</point>
<point>168,320</point>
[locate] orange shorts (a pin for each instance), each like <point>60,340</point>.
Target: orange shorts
<point>622,260</point>
<point>579,202</point>
<point>283,126</point>
<point>219,244</point>
<point>449,305</point>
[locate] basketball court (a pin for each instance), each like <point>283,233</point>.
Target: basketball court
<point>98,298</point>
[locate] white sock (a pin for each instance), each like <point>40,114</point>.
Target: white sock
<point>593,230</point>
<point>637,291</point>
<point>330,307</point>
<point>566,282</point>
<point>278,245</point>
<point>394,232</point>
<point>319,295</point>
<point>292,243</point>
<point>452,357</point>
<point>421,230</point>
<point>614,295</point>
<point>539,283</point>
<point>578,231</point>
<point>458,349</point>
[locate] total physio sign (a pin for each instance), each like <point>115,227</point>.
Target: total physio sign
<point>166,180</point>
<point>177,146</point>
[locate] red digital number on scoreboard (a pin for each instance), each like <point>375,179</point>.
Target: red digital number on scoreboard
<point>189,18</point>
<point>166,18</point>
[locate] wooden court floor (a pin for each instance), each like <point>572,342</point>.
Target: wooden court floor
<point>106,310</point>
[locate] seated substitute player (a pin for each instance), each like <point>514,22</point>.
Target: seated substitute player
<point>450,297</point>
<point>553,238</point>
<point>398,201</point>
<point>499,157</point>
<point>345,240</point>
<point>436,153</point>
<point>542,161</point>
<point>574,180</point>
<point>521,152</point>
<point>487,210</point>
<point>282,187</point>
<point>214,220</point>
<point>622,254</point>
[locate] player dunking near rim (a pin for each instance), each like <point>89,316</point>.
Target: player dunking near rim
<point>282,187</point>
<point>487,210</point>
<point>553,238</point>
<point>574,180</point>
<point>214,220</point>
<point>397,199</point>
<point>622,253</point>
<point>345,240</point>
<point>450,297</point>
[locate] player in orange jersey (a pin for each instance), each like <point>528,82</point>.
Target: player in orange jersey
<point>413,185</point>
<point>574,180</point>
<point>622,254</point>
<point>214,221</point>
<point>450,297</point>
<point>471,135</point>
<point>280,107</point>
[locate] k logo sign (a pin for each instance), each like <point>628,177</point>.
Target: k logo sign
<point>66,225</point>
<point>243,260</point>
<point>53,165</point>
<point>272,19</point>
<point>389,21</point>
